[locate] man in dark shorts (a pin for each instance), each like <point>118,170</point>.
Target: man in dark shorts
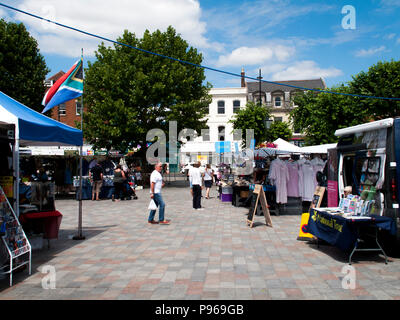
<point>96,175</point>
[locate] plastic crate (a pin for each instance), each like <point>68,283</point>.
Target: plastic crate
<point>226,197</point>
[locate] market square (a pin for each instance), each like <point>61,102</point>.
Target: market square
<point>210,254</point>
<point>188,150</point>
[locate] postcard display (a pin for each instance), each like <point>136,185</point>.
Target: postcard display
<point>14,239</point>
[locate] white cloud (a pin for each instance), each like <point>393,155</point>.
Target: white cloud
<point>302,70</point>
<point>109,19</point>
<point>398,41</point>
<point>390,36</point>
<point>256,55</point>
<point>369,52</point>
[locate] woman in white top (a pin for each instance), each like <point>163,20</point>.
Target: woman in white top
<point>208,179</point>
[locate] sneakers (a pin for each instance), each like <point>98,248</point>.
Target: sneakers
<point>153,222</point>
<point>165,222</point>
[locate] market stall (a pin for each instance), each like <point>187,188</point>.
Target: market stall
<point>31,128</point>
<point>349,232</point>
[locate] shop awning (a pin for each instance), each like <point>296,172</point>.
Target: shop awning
<point>33,128</point>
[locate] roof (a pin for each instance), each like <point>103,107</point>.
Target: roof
<point>56,76</point>
<point>34,128</point>
<point>271,87</point>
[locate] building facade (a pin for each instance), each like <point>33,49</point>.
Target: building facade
<point>279,98</point>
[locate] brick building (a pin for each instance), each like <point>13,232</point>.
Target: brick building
<point>68,112</point>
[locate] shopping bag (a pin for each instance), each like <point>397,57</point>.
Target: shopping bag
<point>152,205</point>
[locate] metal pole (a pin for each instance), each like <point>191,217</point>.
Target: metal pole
<point>80,235</point>
<point>259,84</point>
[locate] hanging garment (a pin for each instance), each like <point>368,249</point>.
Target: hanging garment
<point>307,179</point>
<point>318,165</point>
<point>280,177</point>
<point>293,184</point>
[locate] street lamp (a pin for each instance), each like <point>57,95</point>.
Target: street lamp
<point>259,84</point>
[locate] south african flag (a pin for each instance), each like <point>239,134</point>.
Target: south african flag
<point>68,87</point>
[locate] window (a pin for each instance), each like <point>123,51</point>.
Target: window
<point>237,134</point>
<point>236,106</point>
<point>221,107</point>
<point>278,119</point>
<point>78,107</point>
<point>62,110</point>
<point>205,133</point>
<point>278,101</point>
<point>221,133</point>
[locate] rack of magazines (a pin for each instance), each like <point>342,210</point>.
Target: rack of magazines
<point>15,242</point>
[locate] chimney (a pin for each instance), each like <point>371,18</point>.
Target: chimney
<point>243,82</point>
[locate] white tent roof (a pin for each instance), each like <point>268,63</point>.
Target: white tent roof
<point>190,146</point>
<point>283,145</point>
<point>323,148</point>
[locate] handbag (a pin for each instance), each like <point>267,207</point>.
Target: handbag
<point>152,205</point>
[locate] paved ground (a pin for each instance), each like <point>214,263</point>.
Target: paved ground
<point>208,254</point>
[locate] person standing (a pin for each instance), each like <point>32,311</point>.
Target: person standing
<point>189,174</point>
<point>96,175</point>
<point>156,184</point>
<point>119,178</point>
<point>197,183</point>
<point>208,180</point>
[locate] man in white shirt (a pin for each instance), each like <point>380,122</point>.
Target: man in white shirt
<point>156,185</point>
<point>197,183</point>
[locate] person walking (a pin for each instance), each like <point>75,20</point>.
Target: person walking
<point>208,180</point>
<point>96,175</point>
<point>156,184</point>
<point>189,174</point>
<point>119,178</point>
<point>197,183</point>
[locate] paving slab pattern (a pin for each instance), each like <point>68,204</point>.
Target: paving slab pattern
<point>210,254</point>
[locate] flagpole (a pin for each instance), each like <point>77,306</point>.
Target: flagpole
<point>80,235</point>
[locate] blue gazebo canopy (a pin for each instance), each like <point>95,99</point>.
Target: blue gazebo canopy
<point>33,128</point>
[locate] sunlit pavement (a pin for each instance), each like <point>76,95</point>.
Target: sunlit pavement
<point>209,254</point>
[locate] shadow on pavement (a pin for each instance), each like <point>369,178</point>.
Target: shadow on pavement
<point>42,256</point>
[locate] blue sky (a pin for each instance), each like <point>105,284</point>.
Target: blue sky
<point>288,40</point>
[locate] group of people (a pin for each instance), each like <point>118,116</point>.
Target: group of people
<point>198,180</point>
<point>121,182</point>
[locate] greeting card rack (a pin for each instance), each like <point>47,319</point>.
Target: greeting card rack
<point>14,239</point>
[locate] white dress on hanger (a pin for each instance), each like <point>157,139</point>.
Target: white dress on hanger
<point>279,174</point>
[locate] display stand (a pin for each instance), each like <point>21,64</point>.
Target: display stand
<point>14,238</point>
<point>317,197</point>
<point>258,195</point>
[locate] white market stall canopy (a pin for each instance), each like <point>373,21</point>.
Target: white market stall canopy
<point>282,147</point>
<point>323,148</point>
<point>35,129</point>
<point>199,147</point>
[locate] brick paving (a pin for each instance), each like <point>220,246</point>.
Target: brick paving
<point>208,254</point>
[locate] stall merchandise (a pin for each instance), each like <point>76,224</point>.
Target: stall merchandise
<point>14,239</point>
<point>347,232</point>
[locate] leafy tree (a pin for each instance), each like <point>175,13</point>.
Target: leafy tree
<point>383,80</point>
<point>279,129</point>
<point>22,68</point>
<point>128,92</point>
<point>319,115</point>
<point>252,117</point>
